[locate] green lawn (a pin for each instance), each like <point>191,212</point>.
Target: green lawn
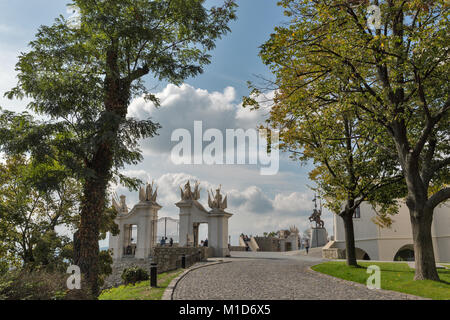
<point>142,290</point>
<point>394,276</point>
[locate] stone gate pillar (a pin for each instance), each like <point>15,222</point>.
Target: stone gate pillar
<point>186,226</point>
<point>218,232</point>
<point>218,224</point>
<point>144,215</point>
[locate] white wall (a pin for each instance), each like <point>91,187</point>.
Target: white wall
<point>383,243</point>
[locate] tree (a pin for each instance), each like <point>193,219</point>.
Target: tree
<point>84,78</point>
<point>395,76</point>
<point>30,214</point>
<point>349,168</point>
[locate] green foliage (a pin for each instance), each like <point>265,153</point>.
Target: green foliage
<point>271,234</point>
<point>134,274</point>
<point>394,80</point>
<point>39,285</point>
<point>33,202</point>
<point>53,251</point>
<point>394,276</point>
<point>141,290</point>
<point>317,121</point>
<point>105,261</point>
<point>83,79</point>
<point>68,76</point>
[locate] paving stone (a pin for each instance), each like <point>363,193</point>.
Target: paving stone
<point>270,276</point>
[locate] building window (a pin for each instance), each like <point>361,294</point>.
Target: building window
<point>357,213</point>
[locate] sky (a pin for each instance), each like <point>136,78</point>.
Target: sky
<point>258,203</point>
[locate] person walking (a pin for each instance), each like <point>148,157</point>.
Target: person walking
<point>307,246</point>
<point>171,242</point>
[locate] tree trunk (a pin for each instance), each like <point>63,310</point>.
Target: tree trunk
<point>421,216</point>
<point>117,93</point>
<point>349,239</point>
<point>423,246</point>
<point>92,207</point>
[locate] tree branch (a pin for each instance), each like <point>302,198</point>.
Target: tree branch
<point>439,197</point>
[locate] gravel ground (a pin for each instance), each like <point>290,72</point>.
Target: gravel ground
<point>270,276</point>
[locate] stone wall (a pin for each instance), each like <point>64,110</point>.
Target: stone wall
<point>166,258</point>
<point>331,251</point>
<point>169,258</point>
<point>268,244</point>
<point>115,279</point>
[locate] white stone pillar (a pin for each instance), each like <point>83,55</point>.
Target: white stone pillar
<point>218,232</point>
<point>185,223</point>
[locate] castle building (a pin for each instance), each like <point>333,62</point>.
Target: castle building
<point>392,243</point>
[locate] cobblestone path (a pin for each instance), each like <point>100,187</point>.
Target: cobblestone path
<point>269,276</point>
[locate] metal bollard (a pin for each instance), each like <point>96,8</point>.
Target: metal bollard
<point>153,275</point>
<point>183,261</point>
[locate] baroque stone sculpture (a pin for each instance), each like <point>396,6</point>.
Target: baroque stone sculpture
<point>120,205</point>
<point>188,194</point>
<point>147,194</point>
<point>216,202</point>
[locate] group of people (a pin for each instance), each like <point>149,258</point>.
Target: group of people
<point>246,239</point>
<point>164,240</point>
<point>204,243</point>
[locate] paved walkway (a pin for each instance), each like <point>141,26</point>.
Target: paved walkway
<point>269,276</point>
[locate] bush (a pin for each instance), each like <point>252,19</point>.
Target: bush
<point>134,274</point>
<point>39,285</point>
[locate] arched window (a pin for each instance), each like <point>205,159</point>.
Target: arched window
<point>405,253</point>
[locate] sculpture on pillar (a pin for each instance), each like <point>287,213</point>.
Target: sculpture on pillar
<point>120,205</point>
<point>294,230</point>
<point>188,194</point>
<point>216,202</point>
<point>315,216</point>
<point>147,193</point>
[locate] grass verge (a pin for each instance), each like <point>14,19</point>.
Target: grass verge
<point>141,290</point>
<point>394,276</point>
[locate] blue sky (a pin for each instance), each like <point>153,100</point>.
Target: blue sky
<point>259,203</point>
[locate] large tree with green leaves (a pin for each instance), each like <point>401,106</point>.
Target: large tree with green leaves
<point>349,169</point>
<point>83,78</point>
<point>396,76</point>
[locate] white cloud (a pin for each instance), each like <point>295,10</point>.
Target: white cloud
<point>294,203</point>
<point>6,29</point>
<point>252,199</point>
<point>181,106</point>
<point>8,79</point>
<point>247,118</point>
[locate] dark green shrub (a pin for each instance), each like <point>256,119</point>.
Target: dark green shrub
<point>133,275</point>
